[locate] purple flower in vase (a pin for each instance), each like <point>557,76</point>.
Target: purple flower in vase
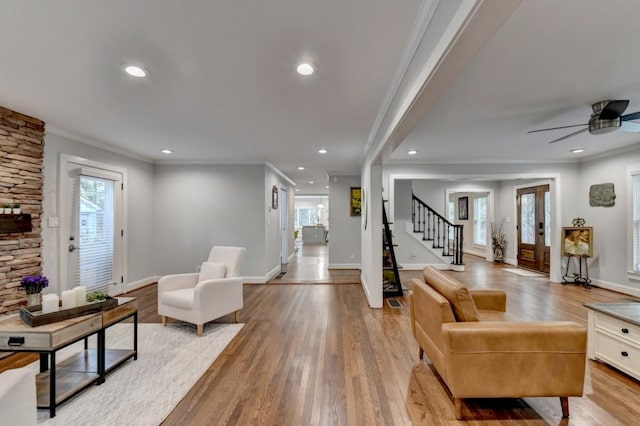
<point>34,284</point>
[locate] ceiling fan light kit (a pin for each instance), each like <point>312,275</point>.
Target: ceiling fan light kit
<point>606,118</point>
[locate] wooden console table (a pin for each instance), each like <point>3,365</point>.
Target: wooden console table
<point>614,335</point>
<point>59,381</point>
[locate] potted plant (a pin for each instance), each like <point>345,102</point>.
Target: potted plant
<point>6,208</point>
<point>33,285</point>
<point>498,240</point>
<point>16,208</point>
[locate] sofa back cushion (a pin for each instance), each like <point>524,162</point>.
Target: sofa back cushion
<point>457,294</point>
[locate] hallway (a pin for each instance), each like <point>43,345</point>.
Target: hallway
<point>310,266</point>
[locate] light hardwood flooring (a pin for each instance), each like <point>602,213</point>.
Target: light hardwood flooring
<point>318,355</point>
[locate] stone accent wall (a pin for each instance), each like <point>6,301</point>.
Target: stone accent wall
<point>21,181</point>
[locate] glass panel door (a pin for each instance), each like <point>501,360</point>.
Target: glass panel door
<point>534,228</point>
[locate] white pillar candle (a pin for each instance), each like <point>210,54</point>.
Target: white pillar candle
<point>68,299</point>
<point>81,295</point>
<point>50,303</point>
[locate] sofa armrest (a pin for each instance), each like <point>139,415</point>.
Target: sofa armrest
<point>177,282</point>
<point>489,300</point>
<point>224,294</point>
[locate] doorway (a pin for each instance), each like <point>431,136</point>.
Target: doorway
<point>534,228</point>
<point>92,230</point>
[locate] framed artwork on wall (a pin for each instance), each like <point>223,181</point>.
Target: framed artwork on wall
<point>355,206</point>
<point>463,208</point>
<point>274,197</point>
<point>577,241</point>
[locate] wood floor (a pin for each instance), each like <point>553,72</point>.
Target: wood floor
<point>310,266</point>
<point>318,355</point>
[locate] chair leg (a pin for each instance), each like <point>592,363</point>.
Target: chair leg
<point>421,354</point>
<point>564,403</point>
<point>457,403</point>
<point>237,316</point>
<point>164,321</point>
<point>200,329</point>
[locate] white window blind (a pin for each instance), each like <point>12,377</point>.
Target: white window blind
<point>636,220</point>
<point>96,232</point>
<point>480,221</point>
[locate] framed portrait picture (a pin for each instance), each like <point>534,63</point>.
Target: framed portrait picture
<point>355,206</point>
<point>463,208</point>
<point>577,241</point>
<point>274,197</point>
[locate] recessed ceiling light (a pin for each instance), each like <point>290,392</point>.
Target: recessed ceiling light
<point>300,167</point>
<point>322,151</point>
<point>311,182</point>
<point>135,71</point>
<point>297,190</point>
<point>412,152</point>
<point>167,151</point>
<point>320,206</point>
<point>327,186</point>
<point>577,150</point>
<point>305,68</point>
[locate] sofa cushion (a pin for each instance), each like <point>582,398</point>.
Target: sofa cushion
<point>212,271</point>
<point>457,294</point>
<point>178,298</point>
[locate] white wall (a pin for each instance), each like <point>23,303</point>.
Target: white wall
<point>271,222</point>
<point>611,231</point>
<point>199,206</point>
<point>371,240</point>
<point>141,265</point>
<point>344,238</point>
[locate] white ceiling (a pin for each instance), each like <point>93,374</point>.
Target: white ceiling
<point>222,84</point>
<point>223,89</point>
<point>544,68</point>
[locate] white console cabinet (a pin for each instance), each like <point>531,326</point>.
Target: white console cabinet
<point>614,335</point>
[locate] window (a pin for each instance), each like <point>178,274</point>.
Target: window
<point>635,194</point>
<point>307,217</point>
<point>480,221</point>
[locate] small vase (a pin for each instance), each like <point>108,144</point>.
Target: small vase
<point>16,210</point>
<point>33,299</point>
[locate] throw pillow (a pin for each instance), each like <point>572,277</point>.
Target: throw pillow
<point>212,271</point>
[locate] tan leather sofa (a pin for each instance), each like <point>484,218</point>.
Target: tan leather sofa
<point>480,351</point>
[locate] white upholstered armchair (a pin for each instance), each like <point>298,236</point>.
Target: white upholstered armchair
<point>198,298</point>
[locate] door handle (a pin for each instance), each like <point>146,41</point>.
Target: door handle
<point>72,248</point>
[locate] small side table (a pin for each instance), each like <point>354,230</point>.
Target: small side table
<point>579,277</point>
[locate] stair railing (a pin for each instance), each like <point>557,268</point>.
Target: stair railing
<point>434,227</point>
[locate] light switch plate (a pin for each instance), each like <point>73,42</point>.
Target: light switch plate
<point>53,222</point>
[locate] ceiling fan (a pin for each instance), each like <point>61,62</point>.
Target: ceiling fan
<point>606,117</point>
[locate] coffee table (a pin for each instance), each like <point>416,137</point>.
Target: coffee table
<point>57,382</point>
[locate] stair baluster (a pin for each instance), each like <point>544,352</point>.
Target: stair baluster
<point>435,227</point>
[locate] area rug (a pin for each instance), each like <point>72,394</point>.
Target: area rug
<point>523,272</point>
<point>144,392</point>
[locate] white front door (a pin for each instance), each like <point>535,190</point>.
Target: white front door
<point>94,232</point>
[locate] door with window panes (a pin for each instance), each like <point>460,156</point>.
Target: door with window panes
<point>534,228</point>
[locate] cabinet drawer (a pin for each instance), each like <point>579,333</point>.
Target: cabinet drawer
<point>24,341</point>
<point>619,328</point>
<point>618,353</point>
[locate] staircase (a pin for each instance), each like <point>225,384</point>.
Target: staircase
<point>437,233</point>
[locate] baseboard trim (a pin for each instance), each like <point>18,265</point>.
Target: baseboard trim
<point>344,266</point>
<point>262,279</point>
<point>291,257</point>
<point>618,288</point>
<point>141,283</point>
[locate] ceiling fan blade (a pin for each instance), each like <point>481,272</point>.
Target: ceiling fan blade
<point>569,135</point>
<point>556,128</point>
<point>630,126</point>
<point>632,116</point>
<point>614,109</point>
